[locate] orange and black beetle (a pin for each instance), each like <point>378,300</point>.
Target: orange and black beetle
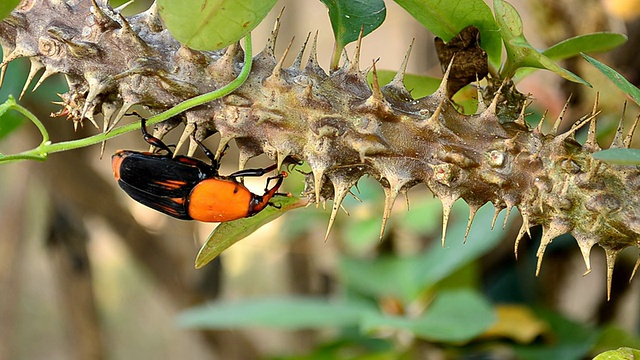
<point>187,188</point>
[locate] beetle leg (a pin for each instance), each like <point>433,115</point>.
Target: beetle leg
<point>214,162</point>
<point>150,139</point>
<point>269,193</point>
<point>255,172</point>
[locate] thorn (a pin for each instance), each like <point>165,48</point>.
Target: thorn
<point>506,216</point>
<point>611,262</point>
<point>398,79</point>
<point>312,63</point>
<point>521,118</point>
<point>354,195</point>
<point>277,70</point>
<point>222,146</point>
<point>47,73</point>
<point>544,242</point>
<point>95,88</point>
<point>376,91</point>
<point>7,58</point>
<point>102,19</point>
<point>108,109</point>
<point>629,137</point>
<point>556,124</point>
<point>482,106</point>
<point>127,30</point>
<point>472,214</point>
<point>435,117</point>
<point>271,42</point>
<point>447,204</point>
<point>618,139</point>
<point>538,128</point>
<point>345,60</point>
<point>297,62</point>
<point>523,230</point>
<point>354,67</point>
<point>390,195</point>
<point>35,66</point>
<point>442,88</point>
<point>280,157</point>
<point>225,64</point>
<point>405,193</point>
<point>340,190</point>
<point>635,268</point>
<point>317,183</point>
<point>578,125</point>
<point>550,232</point>
<point>495,216</point>
<point>3,71</point>
<point>152,18</point>
<point>123,110</point>
<point>494,102</point>
<point>585,249</point>
<point>193,146</point>
<point>186,134</point>
<point>102,147</point>
<point>592,143</point>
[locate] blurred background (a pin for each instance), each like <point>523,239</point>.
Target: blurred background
<point>86,273</point>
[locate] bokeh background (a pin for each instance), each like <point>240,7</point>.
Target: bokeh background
<point>86,273</point>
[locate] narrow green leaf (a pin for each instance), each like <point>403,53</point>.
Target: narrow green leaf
<point>615,77</point>
<point>284,313</point>
<point>6,6</point>
<point>589,43</point>
<point>520,53</point>
<point>595,42</point>
<point>229,233</point>
<point>446,19</point>
<point>212,24</point>
<point>619,156</point>
<point>458,315</point>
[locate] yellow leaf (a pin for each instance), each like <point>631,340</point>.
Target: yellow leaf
<point>518,323</point>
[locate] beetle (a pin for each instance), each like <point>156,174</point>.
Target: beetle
<point>187,188</point>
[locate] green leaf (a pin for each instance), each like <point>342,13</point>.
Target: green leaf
<point>418,85</point>
<point>212,24</point>
<point>520,53</point>
<point>453,316</point>
<point>613,337</point>
<point>589,43</point>
<point>446,19</point>
<point>595,42</point>
<point>285,313</point>
<point>229,233</point>
<point>624,353</point>
<point>408,277</point>
<point>615,77</point>
<point>6,6</point>
<point>619,156</point>
<point>348,17</point>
